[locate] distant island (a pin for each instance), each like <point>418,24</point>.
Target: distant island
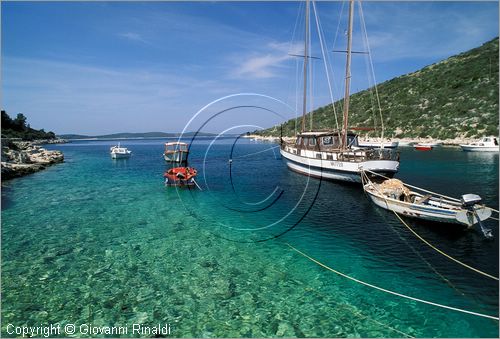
<point>145,135</point>
<point>452,99</point>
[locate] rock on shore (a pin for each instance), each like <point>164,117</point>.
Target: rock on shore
<point>20,158</point>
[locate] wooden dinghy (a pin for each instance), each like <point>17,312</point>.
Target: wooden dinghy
<point>394,195</point>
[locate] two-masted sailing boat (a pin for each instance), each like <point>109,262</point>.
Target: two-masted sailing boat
<point>333,154</point>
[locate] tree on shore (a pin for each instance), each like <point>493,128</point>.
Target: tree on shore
<point>19,128</point>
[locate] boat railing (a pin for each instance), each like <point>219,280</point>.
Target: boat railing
<point>382,154</point>
<point>353,155</point>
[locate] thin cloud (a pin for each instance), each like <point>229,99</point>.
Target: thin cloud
<point>133,37</point>
<point>94,96</point>
<point>268,64</point>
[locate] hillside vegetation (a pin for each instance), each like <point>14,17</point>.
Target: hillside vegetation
<point>454,98</point>
<point>19,128</point>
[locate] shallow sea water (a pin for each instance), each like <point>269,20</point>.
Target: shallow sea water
<point>103,242</point>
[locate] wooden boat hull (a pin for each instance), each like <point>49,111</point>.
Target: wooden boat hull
<point>428,212</point>
<point>180,176</point>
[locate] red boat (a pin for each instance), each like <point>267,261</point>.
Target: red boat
<point>180,176</point>
<point>423,147</point>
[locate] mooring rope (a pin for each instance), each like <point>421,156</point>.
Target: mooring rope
<point>443,253</point>
<point>389,291</point>
<point>428,243</point>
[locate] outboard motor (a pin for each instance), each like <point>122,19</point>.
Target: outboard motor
<point>468,201</point>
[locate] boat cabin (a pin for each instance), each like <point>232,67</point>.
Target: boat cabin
<point>324,141</point>
<point>176,151</point>
<point>487,141</point>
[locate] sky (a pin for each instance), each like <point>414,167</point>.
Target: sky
<point>106,67</point>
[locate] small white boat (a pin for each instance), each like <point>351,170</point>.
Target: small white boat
<point>486,144</point>
<point>377,144</point>
<point>394,195</point>
<point>176,152</point>
<point>406,143</point>
<point>118,152</point>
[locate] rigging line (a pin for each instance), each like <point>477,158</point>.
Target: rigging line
<point>434,247</point>
<point>338,24</point>
<point>298,18</point>
<point>250,154</point>
<point>389,291</point>
<point>311,80</point>
<point>363,24</point>
<point>341,12</point>
<point>370,82</point>
<point>325,56</point>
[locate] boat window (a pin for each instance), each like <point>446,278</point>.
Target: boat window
<point>486,139</point>
<point>352,140</point>
<point>299,141</point>
<point>312,141</point>
<point>327,140</point>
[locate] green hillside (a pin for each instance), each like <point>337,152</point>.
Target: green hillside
<point>457,97</point>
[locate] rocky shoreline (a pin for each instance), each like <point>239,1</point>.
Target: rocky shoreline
<point>21,158</point>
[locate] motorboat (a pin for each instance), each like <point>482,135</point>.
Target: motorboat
<point>118,152</point>
<point>396,196</point>
<point>486,144</point>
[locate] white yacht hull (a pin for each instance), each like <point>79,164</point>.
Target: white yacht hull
<point>348,171</point>
<point>470,148</point>
<point>120,155</point>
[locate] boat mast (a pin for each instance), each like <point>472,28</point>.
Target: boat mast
<point>347,75</point>
<point>306,47</point>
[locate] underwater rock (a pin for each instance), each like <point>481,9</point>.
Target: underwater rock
<point>285,330</point>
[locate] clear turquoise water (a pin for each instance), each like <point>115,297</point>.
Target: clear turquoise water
<point>102,241</point>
